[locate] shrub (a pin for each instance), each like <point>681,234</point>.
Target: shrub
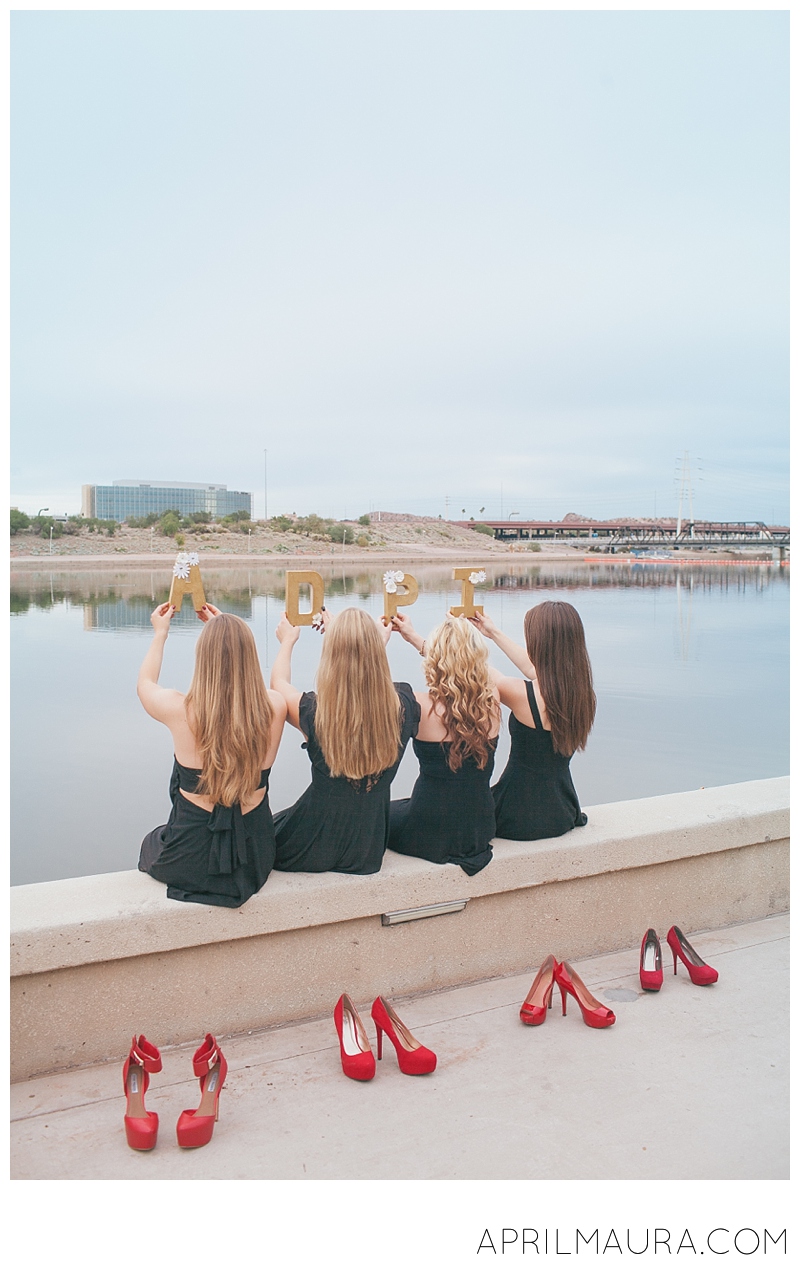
<point>281,523</point>
<point>143,522</point>
<point>198,518</point>
<point>534,546</point>
<point>169,523</point>
<point>363,520</point>
<point>180,540</point>
<point>232,517</point>
<point>341,533</point>
<point>19,520</point>
<point>362,540</point>
<point>480,528</point>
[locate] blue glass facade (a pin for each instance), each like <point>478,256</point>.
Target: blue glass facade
<point>124,499</point>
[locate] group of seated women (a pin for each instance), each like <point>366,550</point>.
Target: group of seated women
<point>222,840</point>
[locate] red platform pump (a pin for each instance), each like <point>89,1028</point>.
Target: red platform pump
<point>594,1014</point>
<point>195,1127</point>
<point>358,1060</point>
<point>141,1125</point>
<point>413,1059</point>
<point>699,972</point>
<point>539,1000</point>
<point>651,971</point>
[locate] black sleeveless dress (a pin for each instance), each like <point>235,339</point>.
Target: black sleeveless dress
<point>216,857</point>
<point>449,818</point>
<point>340,825</point>
<point>535,796</point>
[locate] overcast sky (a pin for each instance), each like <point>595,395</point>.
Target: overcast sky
<point>504,259</point>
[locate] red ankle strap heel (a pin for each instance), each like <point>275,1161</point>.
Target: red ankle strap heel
<point>141,1125</point>
<point>195,1127</point>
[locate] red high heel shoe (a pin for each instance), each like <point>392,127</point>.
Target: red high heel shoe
<point>539,1000</point>
<point>651,972</point>
<point>141,1125</point>
<point>699,972</point>
<point>195,1127</point>
<point>594,1014</point>
<point>358,1060</point>
<point>413,1059</point>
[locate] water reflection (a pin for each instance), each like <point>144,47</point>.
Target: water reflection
<point>127,604</point>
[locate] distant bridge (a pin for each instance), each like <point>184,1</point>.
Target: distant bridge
<point>609,535</point>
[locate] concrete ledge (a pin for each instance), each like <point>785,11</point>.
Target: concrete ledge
<point>93,958</point>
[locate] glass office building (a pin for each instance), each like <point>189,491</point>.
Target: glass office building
<point>124,499</point>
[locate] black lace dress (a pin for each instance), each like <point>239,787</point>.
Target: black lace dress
<point>449,818</point>
<point>535,796</point>
<point>339,825</point>
<point>219,857</point>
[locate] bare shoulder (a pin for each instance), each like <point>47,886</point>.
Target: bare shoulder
<point>165,704</point>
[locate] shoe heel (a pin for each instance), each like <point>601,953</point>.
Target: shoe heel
<point>674,963</point>
<point>380,1041</point>
<point>563,992</point>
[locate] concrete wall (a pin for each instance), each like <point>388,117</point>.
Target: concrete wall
<point>94,959</point>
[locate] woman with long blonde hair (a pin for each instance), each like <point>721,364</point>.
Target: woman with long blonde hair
<point>552,713</point>
<point>356,727</point>
<point>449,818</point>
<point>218,846</point>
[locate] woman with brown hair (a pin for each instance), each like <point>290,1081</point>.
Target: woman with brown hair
<point>218,846</point>
<point>356,727</point>
<point>449,818</point>
<point>552,712</point>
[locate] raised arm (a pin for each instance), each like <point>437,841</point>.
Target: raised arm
<point>403,624</point>
<point>281,677</point>
<point>160,703</point>
<point>513,651</point>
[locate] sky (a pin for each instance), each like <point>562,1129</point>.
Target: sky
<point>434,262</point>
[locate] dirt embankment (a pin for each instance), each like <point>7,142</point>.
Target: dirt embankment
<point>394,535</point>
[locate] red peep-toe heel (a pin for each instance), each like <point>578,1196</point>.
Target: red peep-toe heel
<point>594,1014</point>
<point>651,972</point>
<point>358,1060</point>
<point>413,1059</point>
<point>195,1127</point>
<point>699,972</point>
<point>539,1000</point>
<point>141,1125</point>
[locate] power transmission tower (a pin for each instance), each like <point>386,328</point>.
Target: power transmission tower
<point>686,493</point>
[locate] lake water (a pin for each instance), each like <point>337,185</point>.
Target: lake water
<point>691,667</point>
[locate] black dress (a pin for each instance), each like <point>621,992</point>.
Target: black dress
<point>535,796</point>
<point>449,818</point>
<point>210,857</point>
<point>340,825</point>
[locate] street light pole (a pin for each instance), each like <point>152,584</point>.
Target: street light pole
<point>265,484</point>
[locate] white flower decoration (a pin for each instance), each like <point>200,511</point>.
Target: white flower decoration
<point>391,578</point>
<point>193,558</point>
<point>478,576</point>
<point>181,566</point>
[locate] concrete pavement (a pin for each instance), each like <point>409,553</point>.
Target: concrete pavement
<point>689,1083</point>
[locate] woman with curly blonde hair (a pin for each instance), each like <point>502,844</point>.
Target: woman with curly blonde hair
<point>449,818</point>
